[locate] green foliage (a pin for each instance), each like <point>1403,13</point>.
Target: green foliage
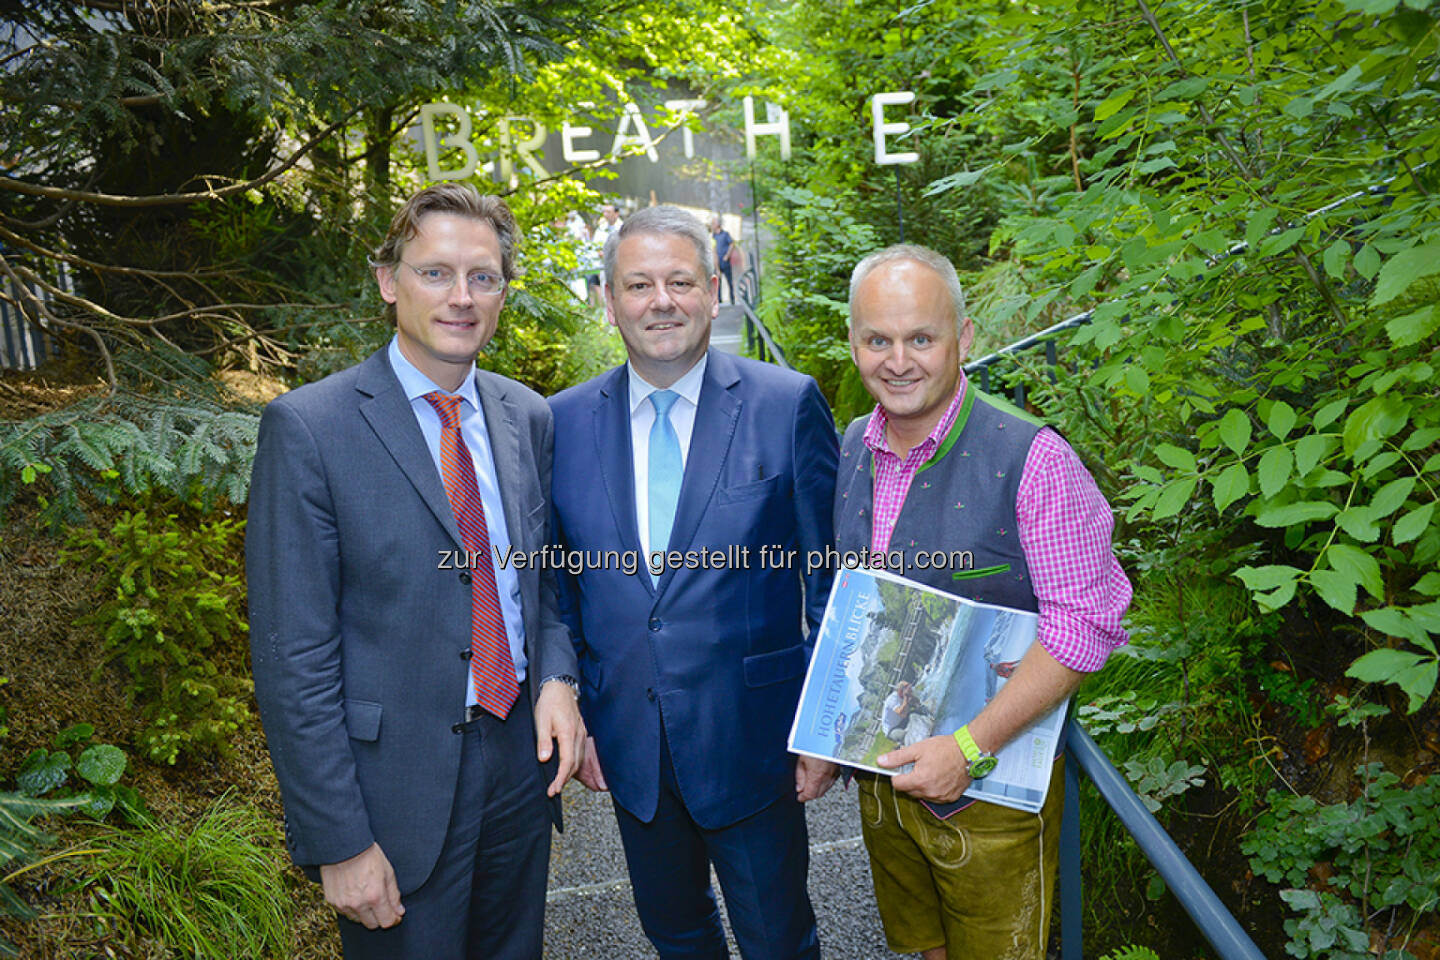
<point>19,841</point>
<point>1156,781</point>
<point>548,344</point>
<point>1123,713</point>
<point>128,445</point>
<point>216,890</point>
<point>175,605</point>
<point>1132,952</point>
<point>100,765</point>
<point>805,302</point>
<point>1353,868</point>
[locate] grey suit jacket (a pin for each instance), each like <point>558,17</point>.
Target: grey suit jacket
<point>357,635</point>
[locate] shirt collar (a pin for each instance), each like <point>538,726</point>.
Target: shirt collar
<point>416,384</point>
<point>876,440</point>
<point>688,386</point>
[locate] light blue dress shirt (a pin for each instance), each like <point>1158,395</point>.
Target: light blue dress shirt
<point>477,438</point>
<point>642,417</point>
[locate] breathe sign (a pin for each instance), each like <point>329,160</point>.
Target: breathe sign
<point>631,137</point>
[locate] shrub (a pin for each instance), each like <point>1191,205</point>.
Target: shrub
<point>175,600</point>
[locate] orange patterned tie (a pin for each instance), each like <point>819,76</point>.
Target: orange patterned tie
<point>491,668</point>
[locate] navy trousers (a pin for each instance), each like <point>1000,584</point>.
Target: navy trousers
<point>485,899</point>
<point>762,862</point>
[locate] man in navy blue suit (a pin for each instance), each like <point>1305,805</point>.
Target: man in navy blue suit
<point>691,666</point>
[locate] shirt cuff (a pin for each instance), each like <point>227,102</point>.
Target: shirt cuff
<point>1076,642</point>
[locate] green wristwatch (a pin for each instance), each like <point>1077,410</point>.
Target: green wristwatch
<point>979,763</point>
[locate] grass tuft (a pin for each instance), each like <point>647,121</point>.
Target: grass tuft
<point>216,891</point>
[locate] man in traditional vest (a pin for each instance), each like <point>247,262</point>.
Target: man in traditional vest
<point>940,466</point>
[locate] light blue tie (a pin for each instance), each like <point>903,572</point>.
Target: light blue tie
<point>666,471</point>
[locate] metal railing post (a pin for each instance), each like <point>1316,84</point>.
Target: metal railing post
<point>1072,929</point>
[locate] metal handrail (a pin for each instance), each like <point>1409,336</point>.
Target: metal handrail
<point>1215,922</point>
<point>749,296</point>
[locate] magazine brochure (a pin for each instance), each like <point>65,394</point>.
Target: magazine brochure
<point>896,662</point>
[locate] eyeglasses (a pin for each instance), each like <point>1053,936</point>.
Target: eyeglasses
<point>479,282</point>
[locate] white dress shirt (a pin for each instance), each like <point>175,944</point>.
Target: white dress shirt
<point>477,438</point>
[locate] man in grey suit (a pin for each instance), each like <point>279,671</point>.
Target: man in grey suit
<point>417,688</point>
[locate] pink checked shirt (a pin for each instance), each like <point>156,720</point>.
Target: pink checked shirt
<point>1064,527</point>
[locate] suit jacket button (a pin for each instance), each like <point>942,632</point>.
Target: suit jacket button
<point>465,579</point>
<point>465,654</point>
<point>650,694</point>
<point>655,624</point>
<point>458,728</point>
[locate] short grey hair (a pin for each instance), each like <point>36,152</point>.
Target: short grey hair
<point>664,219</point>
<point>918,254</point>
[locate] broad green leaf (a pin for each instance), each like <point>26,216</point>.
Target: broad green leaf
<point>1413,327</point>
<point>1429,584</point>
<point>101,764</point>
<point>1418,682</point>
<point>1267,577</point>
<point>1300,107</point>
<point>1341,83</point>
<point>1335,588</point>
<point>1334,259</point>
<point>1281,419</point>
<point>1367,262</point>
<point>1187,89</point>
<point>1378,667</point>
<point>1083,284</point>
<point>1391,497</point>
<point>1259,225</point>
<point>1403,269</point>
<point>1232,484</point>
<point>1306,511</point>
<point>1276,598</point>
<point>1377,463</point>
<point>1421,439</point>
<point>1281,242</point>
<point>99,801</point>
<point>1375,419</point>
<point>1359,522</point>
<point>1174,496</point>
<point>1173,456</point>
<point>42,771</point>
<point>1274,470</point>
<point>1308,451</point>
<point>1326,478</point>
<point>1235,430</point>
<point>1137,380</point>
<point>1412,672</point>
<point>1149,474</point>
<point>1427,615</point>
<point>1113,104</point>
<point>1410,526</point>
<point>1356,563</point>
<point>1394,622</point>
<point>954,181</point>
<point>1328,414</point>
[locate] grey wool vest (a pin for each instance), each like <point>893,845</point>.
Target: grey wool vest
<point>962,499</point>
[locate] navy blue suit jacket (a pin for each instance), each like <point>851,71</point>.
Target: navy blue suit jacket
<point>718,656</point>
